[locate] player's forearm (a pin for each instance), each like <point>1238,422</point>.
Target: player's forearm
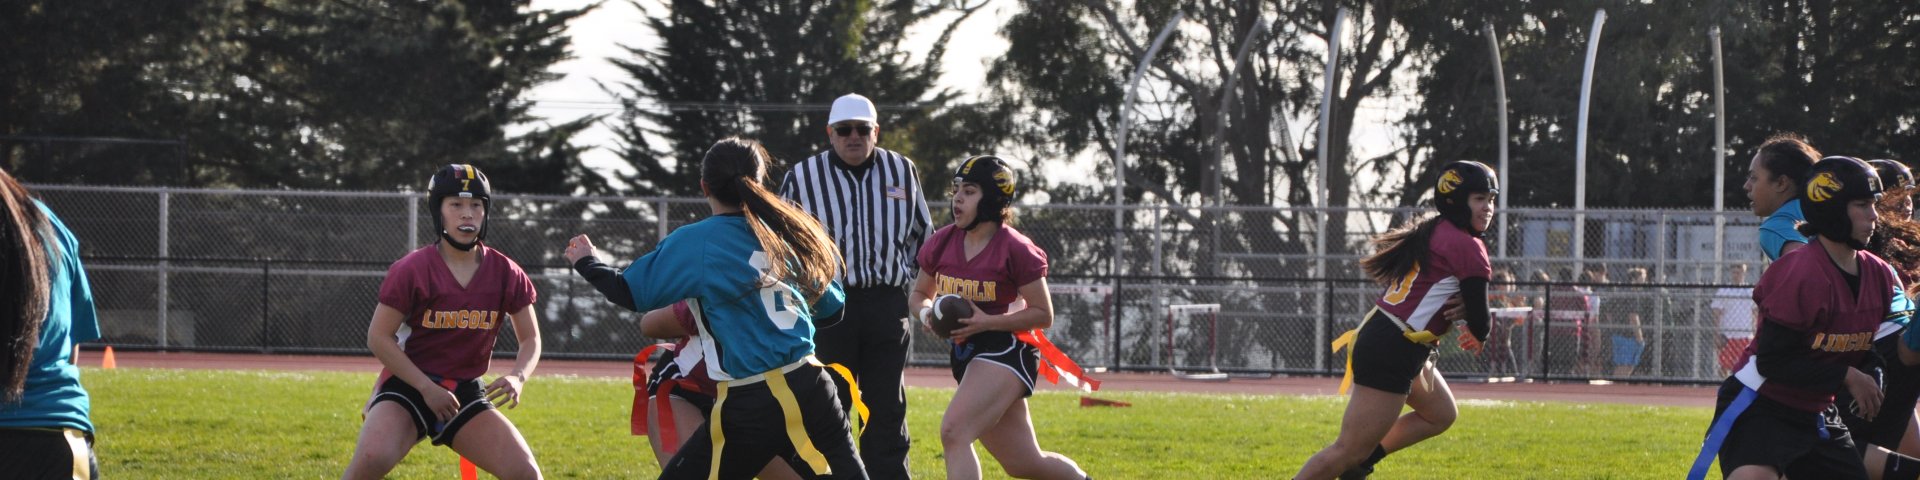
<point>606,280</point>
<point>387,350</point>
<point>1781,356</point>
<point>1030,318</point>
<point>526,329</point>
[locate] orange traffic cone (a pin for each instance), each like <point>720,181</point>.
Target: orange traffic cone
<point>467,470</point>
<point>106,360</point>
<point>1086,401</point>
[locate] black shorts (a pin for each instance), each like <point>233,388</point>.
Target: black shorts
<point>1787,439</point>
<point>473,402</point>
<point>1384,359</point>
<point>1001,350</point>
<point>47,453</point>
<point>1900,385</point>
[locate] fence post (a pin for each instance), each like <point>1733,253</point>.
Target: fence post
<point>661,226</point>
<point>1113,321</point>
<point>413,224</point>
<point>160,296</point>
<point>1323,324</point>
<point>1546,334</point>
<point>266,296</point>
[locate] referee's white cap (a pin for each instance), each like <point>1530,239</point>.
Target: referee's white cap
<point>852,107</point>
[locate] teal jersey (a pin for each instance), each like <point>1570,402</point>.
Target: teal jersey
<point>53,397</point>
<point>748,322</point>
<point>1778,229</point>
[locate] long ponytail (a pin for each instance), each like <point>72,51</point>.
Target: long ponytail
<point>1397,252</point>
<point>24,281</point>
<point>798,248</point>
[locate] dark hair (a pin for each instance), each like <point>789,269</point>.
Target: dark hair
<point>798,248</point>
<point>1788,154</point>
<point>25,234</point>
<point>1890,244</point>
<point>1398,251</point>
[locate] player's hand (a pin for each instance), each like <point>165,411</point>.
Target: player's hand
<point>1866,393</point>
<point>1454,309</point>
<point>577,247</point>
<point>1468,343</point>
<point>442,402</point>
<point>505,391</point>
<point>973,324</point>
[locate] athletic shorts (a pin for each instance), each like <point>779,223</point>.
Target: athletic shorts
<point>1626,351</point>
<point>664,370</point>
<point>47,453</point>
<point>1384,359</point>
<point>473,402</point>
<point>1001,350</point>
<point>1788,439</point>
<point>1900,385</point>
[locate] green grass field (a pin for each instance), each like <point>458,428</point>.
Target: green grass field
<point>246,424</point>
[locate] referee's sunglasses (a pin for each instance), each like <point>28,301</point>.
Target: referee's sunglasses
<point>850,130</point>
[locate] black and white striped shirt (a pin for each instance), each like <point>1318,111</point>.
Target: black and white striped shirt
<point>876,212</point>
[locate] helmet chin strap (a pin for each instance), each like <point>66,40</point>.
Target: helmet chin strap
<point>464,247</point>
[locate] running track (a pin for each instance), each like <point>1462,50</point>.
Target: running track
<point>1694,396</point>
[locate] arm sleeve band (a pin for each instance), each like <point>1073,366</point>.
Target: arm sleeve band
<point>1473,291</point>
<point>1784,356</point>
<point>605,279</point>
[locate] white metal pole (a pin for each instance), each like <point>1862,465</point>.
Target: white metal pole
<point>164,250</point>
<point>1120,140</point>
<point>1329,79</point>
<point>1500,101</point>
<point>1719,157</point>
<point>1580,153</point>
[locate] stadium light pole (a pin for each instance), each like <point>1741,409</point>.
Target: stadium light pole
<point>1580,153</point>
<point>1220,128</point>
<point>1500,100</point>
<point>1120,143</point>
<point>1321,203</point>
<point>1719,157</point>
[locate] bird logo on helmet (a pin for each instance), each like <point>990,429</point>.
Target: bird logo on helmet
<point>1822,187</point>
<point>458,180</point>
<point>988,171</point>
<point>1459,180</point>
<point>1833,183</point>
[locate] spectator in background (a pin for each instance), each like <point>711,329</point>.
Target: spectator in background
<point>1567,316</point>
<point>1629,338</point>
<point>1499,346</point>
<point>1733,306</point>
<point>1598,322</point>
<point>46,307</point>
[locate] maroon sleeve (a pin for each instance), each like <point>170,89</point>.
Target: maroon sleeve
<point>930,251</point>
<point>1785,297</point>
<point>520,292</point>
<point>1028,261</point>
<point>683,315</point>
<point>398,289</point>
<point>1467,257</point>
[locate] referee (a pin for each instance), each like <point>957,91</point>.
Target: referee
<point>870,200</point>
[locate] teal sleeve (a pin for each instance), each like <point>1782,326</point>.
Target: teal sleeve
<point>831,301</point>
<point>667,274</point>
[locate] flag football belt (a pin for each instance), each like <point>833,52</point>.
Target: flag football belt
<point>1346,340</point>
<point>1054,364</point>
<point>776,381</point>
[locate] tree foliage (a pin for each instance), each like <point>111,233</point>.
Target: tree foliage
<point>360,94</point>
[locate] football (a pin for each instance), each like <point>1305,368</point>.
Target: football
<point>947,311</point>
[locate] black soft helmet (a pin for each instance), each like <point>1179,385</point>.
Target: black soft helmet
<point>1458,181</point>
<point>998,186</point>
<point>1831,184</point>
<point>458,180</point>
<point>1893,175</point>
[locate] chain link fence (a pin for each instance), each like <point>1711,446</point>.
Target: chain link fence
<point>1235,290</point>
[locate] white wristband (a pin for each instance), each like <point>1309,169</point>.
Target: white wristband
<point>924,313</point>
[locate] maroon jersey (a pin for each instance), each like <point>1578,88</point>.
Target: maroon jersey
<point>450,330</point>
<point>1805,292</point>
<point>991,279</point>
<point>1452,256</point>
